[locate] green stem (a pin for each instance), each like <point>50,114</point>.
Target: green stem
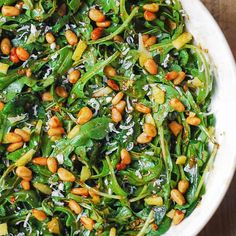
<point>143,194</point>
<point>142,232</point>
<point>123,13</point>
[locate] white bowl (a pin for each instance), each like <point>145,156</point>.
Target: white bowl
<point>206,32</point>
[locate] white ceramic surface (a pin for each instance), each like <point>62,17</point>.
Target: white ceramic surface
<point>206,32</point>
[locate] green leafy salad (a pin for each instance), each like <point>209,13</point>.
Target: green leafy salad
<point>105,126</point>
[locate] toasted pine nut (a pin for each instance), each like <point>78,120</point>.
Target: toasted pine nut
<point>103,24</point>
<point>39,215</point>
<point>19,5</point>
<point>112,84</point>
<point>24,134</point>
<point>52,164</point>
<point>56,131</point>
<point>145,37</point>
<point>178,217</point>
<point>22,54</point>
<point>154,200</point>
<point>54,122</point>
<point>109,71</point>
<point>195,121</point>
<point>23,172</point>
<point>118,39</point>
<point>117,98</point>
<point>183,186</point>
<point>121,106</point>
<point>177,196</point>
<point>175,128</point>
<point>47,97</point>
<point>75,207</point>
<point>172,75</point>
<point>87,223</point>
<point>62,9</point>
<point>181,76</point>
<point>150,130</point>
<point>1,106</point>
<point>14,146</point>
<point>96,15</point>
<point>112,232</point>
<point>13,57</point>
<point>28,72</point>
<point>25,184</point>
<point>150,41</point>
<point>42,161</point>
<point>141,108</point>
<point>80,191</point>
<point>61,92</point>
<point>151,66</point>
<point>53,226</point>
<point>71,37</point>
<point>177,105</point>
<point>74,76</point>
<point>152,7</point>
<point>10,11</point>
<point>50,38</point>
<point>116,115</point>
<point>85,114</point>
<point>144,138</point>
<point>125,157</point>
<point>96,33</point>
<point>12,138</point>
<point>65,175</point>
<point>149,16</point>
<point>6,46</point>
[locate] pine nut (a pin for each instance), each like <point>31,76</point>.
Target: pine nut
<point>118,39</point>
<point>6,46</point>
<point>65,175</point>
<point>102,92</point>
<point>24,134</point>
<point>175,128</point>
<point>61,92</point>
<point>151,67</point>
<point>109,72</point>
<point>150,130</point>
<point>125,157</point>
<point>13,57</point>
<point>39,215</point>
<point>177,105</point>
<point>52,164</point>
<point>117,98</point>
<point>103,24</point>
<point>96,15</point>
<point>1,106</point>
<point>43,188</point>
<point>54,122</point>
<point>71,37</point>
<point>23,172</point>
<point>14,146</point>
<point>84,115</point>
<point>80,191</point>
<point>120,106</point>
<point>178,217</point>
<point>116,115</point>
<point>97,33</point>
<point>112,84</point>
<point>10,11</point>
<point>171,75</point>
<point>145,37</point>
<point>181,76</point>
<point>56,131</point>
<point>144,138</point>
<point>53,226</point>
<point>149,16</point>
<point>183,186</point>
<point>154,200</point>
<point>12,138</point>
<point>62,10</point>
<point>42,161</point>
<point>177,197</point>
<point>149,119</point>
<point>87,223</point>
<point>28,72</point>
<point>75,207</point>
<point>112,232</point>
<point>22,54</point>
<point>195,121</point>
<point>141,108</point>
<point>25,185</point>
<point>74,76</point>
<point>150,41</point>
<point>47,97</point>
<point>19,5</point>
<point>152,7</point>
<point>50,38</point>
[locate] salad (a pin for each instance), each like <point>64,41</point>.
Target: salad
<point>105,127</point>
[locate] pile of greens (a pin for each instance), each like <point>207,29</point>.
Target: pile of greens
<point>121,201</point>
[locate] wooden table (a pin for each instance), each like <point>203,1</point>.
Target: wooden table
<point>223,223</point>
